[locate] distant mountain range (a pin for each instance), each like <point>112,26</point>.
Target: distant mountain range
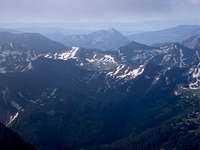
<point>175,34</point>
<point>113,39</point>
<point>9,30</point>
<point>30,41</point>
<point>102,39</point>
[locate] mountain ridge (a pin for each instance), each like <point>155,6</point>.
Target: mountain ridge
<point>31,41</point>
<point>101,39</point>
<point>174,34</point>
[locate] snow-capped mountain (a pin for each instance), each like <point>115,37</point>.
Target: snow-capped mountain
<point>15,59</point>
<point>82,98</point>
<point>17,50</point>
<point>109,63</point>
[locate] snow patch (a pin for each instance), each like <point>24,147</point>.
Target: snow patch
<point>53,92</point>
<point>105,59</point>
<point>71,54</point>
<point>11,45</point>
<point>12,118</point>
<point>119,68</point>
<point>195,77</point>
<point>133,73</point>
<point>181,58</point>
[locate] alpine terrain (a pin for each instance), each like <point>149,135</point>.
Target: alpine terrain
<point>76,98</point>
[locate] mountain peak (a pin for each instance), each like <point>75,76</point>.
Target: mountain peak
<point>31,41</point>
<point>114,30</point>
<point>108,31</point>
<point>102,39</point>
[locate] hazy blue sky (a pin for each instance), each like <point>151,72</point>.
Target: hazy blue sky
<point>144,14</point>
<point>99,10</point>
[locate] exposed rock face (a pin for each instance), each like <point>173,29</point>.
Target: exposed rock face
<point>11,141</point>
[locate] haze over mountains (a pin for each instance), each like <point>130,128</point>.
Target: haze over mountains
<point>111,39</point>
<point>31,41</point>
<point>102,39</point>
<point>175,34</point>
<point>193,42</point>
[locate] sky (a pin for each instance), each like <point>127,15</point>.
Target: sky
<point>180,11</point>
